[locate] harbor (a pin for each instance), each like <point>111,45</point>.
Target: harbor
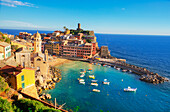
<point>145,75</point>
<point>85,95</point>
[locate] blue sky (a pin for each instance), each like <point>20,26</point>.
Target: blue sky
<point>102,16</point>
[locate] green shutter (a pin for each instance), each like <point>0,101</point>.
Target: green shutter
<point>23,85</point>
<point>22,78</point>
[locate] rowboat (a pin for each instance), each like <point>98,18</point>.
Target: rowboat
<point>82,75</point>
<point>80,80</point>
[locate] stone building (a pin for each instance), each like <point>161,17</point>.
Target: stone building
<point>23,58</point>
<point>37,43</point>
<point>104,52</point>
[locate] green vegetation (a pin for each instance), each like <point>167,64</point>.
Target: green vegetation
<point>88,40</point>
<point>8,40</point>
<point>27,105</point>
<point>14,47</point>
<point>5,106</point>
<point>3,84</point>
<point>24,105</point>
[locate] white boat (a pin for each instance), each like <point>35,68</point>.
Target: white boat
<point>94,80</point>
<point>129,89</point>
<point>108,66</point>
<point>124,70</point>
<point>82,75</point>
<point>117,68</point>
<point>81,82</point>
<point>99,64</point>
<point>130,71</point>
<point>91,76</point>
<point>106,82</point>
<point>96,90</point>
<point>94,84</point>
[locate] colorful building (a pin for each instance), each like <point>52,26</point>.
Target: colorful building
<point>52,47</point>
<point>18,77</point>
<point>5,50</point>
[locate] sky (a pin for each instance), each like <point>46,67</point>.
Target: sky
<point>102,16</point>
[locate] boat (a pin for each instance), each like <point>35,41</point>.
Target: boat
<point>104,65</point>
<point>82,75</point>
<point>108,66</point>
<point>129,89</point>
<point>106,82</point>
<point>117,68</point>
<point>81,82</point>
<point>94,80</point>
<point>89,69</point>
<point>130,71</point>
<point>94,84</point>
<point>124,70</point>
<point>91,76</point>
<point>122,80</point>
<point>96,90</point>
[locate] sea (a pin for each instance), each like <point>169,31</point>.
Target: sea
<point>149,51</point>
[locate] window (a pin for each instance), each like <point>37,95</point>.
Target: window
<point>29,48</point>
<point>23,85</point>
<point>22,78</point>
<point>2,56</point>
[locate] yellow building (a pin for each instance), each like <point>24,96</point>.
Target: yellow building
<point>18,77</point>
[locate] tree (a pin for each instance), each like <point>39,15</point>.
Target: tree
<point>8,40</point>
<point>3,84</point>
<point>5,106</point>
<point>88,40</point>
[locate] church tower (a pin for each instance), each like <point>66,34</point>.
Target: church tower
<point>46,55</point>
<point>37,43</point>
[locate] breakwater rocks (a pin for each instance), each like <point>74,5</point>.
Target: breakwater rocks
<point>145,75</point>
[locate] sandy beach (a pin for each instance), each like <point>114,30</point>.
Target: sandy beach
<point>58,61</point>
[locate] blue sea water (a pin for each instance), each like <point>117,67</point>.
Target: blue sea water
<point>152,52</point>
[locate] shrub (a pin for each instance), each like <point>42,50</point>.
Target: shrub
<point>3,84</point>
<point>5,106</point>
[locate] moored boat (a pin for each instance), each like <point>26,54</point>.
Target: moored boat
<point>94,84</point>
<point>106,82</point>
<point>129,89</point>
<point>94,80</point>
<point>124,70</point>
<point>91,76</point>
<point>117,68</point>
<point>96,90</point>
<point>81,82</point>
<point>82,75</point>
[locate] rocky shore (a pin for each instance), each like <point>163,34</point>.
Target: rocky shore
<point>46,83</point>
<point>145,75</point>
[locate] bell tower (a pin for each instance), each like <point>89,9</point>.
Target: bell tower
<point>37,43</point>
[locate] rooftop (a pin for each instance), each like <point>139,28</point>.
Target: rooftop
<point>4,44</point>
<point>12,70</point>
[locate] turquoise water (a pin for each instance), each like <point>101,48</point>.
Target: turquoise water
<point>148,97</point>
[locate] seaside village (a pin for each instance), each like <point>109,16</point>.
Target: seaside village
<point>27,61</point>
